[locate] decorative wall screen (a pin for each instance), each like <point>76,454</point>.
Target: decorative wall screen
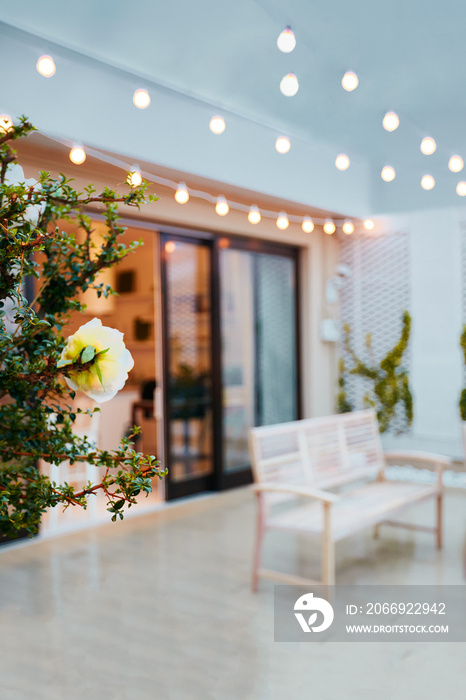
<point>373,300</point>
<point>463,281</point>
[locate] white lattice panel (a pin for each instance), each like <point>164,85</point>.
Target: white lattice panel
<point>463,282</point>
<point>373,300</point>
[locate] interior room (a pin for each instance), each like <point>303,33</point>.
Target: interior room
<point>233,322</point>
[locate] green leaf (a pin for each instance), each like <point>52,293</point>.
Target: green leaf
<point>102,352</point>
<point>87,354</point>
<point>99,373</point>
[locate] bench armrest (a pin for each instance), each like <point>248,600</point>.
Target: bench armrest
<point>414,456</point>
<point>407,456</point>
<point>295,490</point>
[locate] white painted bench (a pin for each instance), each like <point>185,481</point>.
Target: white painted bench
<point>296,463</point>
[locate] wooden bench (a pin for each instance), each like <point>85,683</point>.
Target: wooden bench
<point>294,466</point>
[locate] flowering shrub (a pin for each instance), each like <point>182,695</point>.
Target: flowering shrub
<point>39,372</point>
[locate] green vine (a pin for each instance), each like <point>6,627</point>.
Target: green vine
<point>388,379</point>
<point>343,404</point>
<point>462,403</point>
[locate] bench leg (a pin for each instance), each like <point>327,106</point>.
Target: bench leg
<point>258,542</point>
<point>439,529</point>
<point>328,550</point>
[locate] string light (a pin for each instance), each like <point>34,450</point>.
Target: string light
<point>170,246</point>
<point>217,125</point>
<point>282,144</point>
<point>427,182</point>
<point>455,164</point>
<point>222,207</point>
<point>77,155</point>
<point>134,177</point>
<point>141,98</point>
<point>388,173</point>
<point>329,227</point>
<point>306,222</point>
<point>286,40</point>
<point>350,81</point>
<point>282,221</point>
<point>348,228</point>
<point>254,215</point>
<point>182,194</point>
<point>461,188</point>
<point>224,243</point>
<point>391,121</point>
<point>6,123</point>
<point>289,85</point>
<point>46,66</point>
<point>428,146</point>
<point>342,162</point>
<point>369,225</point>
<point>307,225</point>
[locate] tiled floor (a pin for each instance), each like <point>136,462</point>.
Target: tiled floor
<point>159,607</point>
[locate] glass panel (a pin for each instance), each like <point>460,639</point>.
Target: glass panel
<point>276,339</point>
<point>189,353</point>
<point>258,347</point>
<point>237,314</point>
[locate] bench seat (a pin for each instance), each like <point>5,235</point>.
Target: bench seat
<point>369,505</point>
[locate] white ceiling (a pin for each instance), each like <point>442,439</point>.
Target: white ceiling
<point>409,56</point>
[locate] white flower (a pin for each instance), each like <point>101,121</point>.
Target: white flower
<point>107,374</point>
<point>14,176</point>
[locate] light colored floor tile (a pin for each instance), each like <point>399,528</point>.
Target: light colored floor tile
<point>159,607</point>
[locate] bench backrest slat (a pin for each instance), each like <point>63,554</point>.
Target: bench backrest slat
<point>319,452</point>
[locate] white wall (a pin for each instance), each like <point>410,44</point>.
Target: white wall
<point>436,375</point>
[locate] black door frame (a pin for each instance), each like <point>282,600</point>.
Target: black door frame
<point>218,480</point>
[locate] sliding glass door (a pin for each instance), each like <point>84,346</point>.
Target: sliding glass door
<point>259,349</point>
<point>187,279</point>
<point>230,327</point>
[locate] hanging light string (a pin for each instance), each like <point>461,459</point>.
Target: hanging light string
<point>198,194</point>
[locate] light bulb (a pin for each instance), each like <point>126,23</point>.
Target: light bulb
<point>170,246</point>
<point>282,221</point>
<point>254,215</point>
<point>428,146</point>
<point>388,173</point>
<point>329,227</point>
<point>391,121</point>
<point>461,188</point>
<point>222,207</point>
<point>350,81</point>
<point>217,125</point>
<point>182,194</point>
<point>134,177</point>
<point>342,162</point>
<point>282,144</point>
<point>224,243</point>
<point>307,225</point>
<point>286,40</point>
<point>5,123</point>
<point>455,163</point>
<point>289,85</point>
<point>348,227</point>
<point>141,98</point>
<point>77,155</point>
<point>369,225</point>
<point>427,182</point>
<point>46,66</point>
